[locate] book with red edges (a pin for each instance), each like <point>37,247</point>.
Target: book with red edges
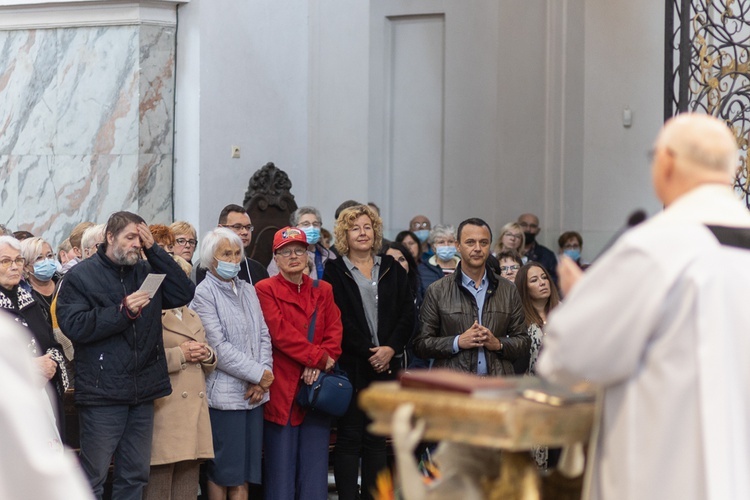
<point>442,379</point>
<point>531,388</point>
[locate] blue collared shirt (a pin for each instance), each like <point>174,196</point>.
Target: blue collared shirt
<point>479,295</point>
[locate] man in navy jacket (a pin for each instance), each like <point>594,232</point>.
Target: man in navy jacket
<point>120,364</point>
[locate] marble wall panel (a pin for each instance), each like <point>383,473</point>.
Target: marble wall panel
<point>28,91</point>
<point>155,188</point>
<point>8,191</point>
<point>98,92</point>
<point>37,205</point>
<point>75,189</point>
<point>86,120</point>
<point>157,57</point>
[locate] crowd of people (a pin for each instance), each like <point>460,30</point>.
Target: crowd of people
<point>178,357</point>
<point>205,366</point>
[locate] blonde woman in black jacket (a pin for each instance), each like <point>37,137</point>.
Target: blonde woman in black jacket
<point>377,313</point>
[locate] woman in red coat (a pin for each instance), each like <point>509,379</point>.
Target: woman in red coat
<point>296,442</point>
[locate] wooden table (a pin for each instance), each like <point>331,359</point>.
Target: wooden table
<point>512,424</point>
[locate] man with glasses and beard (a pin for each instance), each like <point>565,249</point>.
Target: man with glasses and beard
<point>120,363</point>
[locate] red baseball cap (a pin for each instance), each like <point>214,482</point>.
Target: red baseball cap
<point>287,235</point>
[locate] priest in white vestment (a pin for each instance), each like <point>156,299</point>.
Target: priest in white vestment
<point>662,323</point>
<point>33,464</point>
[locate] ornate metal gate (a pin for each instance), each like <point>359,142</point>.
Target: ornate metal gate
<point>707,67</point>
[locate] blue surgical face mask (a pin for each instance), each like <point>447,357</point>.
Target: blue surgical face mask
<point>445,252</point>
<point>227,270</point>
<point>422,234</point>
<point>45,269</point>
<point>312,233</point>
<point>573,254</point>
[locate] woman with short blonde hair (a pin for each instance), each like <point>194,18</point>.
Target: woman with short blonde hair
<point>510,237</point>
<point>40,272</point>
<point>186,239</point>
<point>377,313</point>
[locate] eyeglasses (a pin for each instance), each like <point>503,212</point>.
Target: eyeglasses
<point>238,228</point>
<point>507,269</point>
<point>514,236</point>
<point>420,225</point>
<point>6,263</point>
<point>309,224</point>
<point>191,242</point>
<point>298,251</point>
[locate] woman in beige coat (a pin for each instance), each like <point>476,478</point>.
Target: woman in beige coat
<point>182,429</point>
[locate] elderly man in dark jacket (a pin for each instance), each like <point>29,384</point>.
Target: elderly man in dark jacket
<point>473,320</point>
<point>120,362</point>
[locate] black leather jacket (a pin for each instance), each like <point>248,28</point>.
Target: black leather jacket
<point>449,310</point>
<point>395,318</point>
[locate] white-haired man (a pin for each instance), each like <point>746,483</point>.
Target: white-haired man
<point>658,322</point>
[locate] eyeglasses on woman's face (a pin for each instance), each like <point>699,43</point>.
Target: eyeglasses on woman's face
<point>7,262</point>
<point>187,242</point>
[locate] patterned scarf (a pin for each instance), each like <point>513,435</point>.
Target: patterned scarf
<point>25,300</point>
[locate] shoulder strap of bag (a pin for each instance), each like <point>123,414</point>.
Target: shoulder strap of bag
<point>311,329</point>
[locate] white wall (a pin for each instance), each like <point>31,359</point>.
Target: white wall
<point>624,60</point>
<point>306,85</point>
<point>339,106</point>
<point>521,111</point>
<point>533,93</point>
<point>246,66</point>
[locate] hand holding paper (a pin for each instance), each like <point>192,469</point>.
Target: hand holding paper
<point>151,284</point>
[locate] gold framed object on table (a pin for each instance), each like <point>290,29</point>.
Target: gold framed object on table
<point>509,421</point>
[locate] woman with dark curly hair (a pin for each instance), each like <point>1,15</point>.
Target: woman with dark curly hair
<point>377,312</point>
